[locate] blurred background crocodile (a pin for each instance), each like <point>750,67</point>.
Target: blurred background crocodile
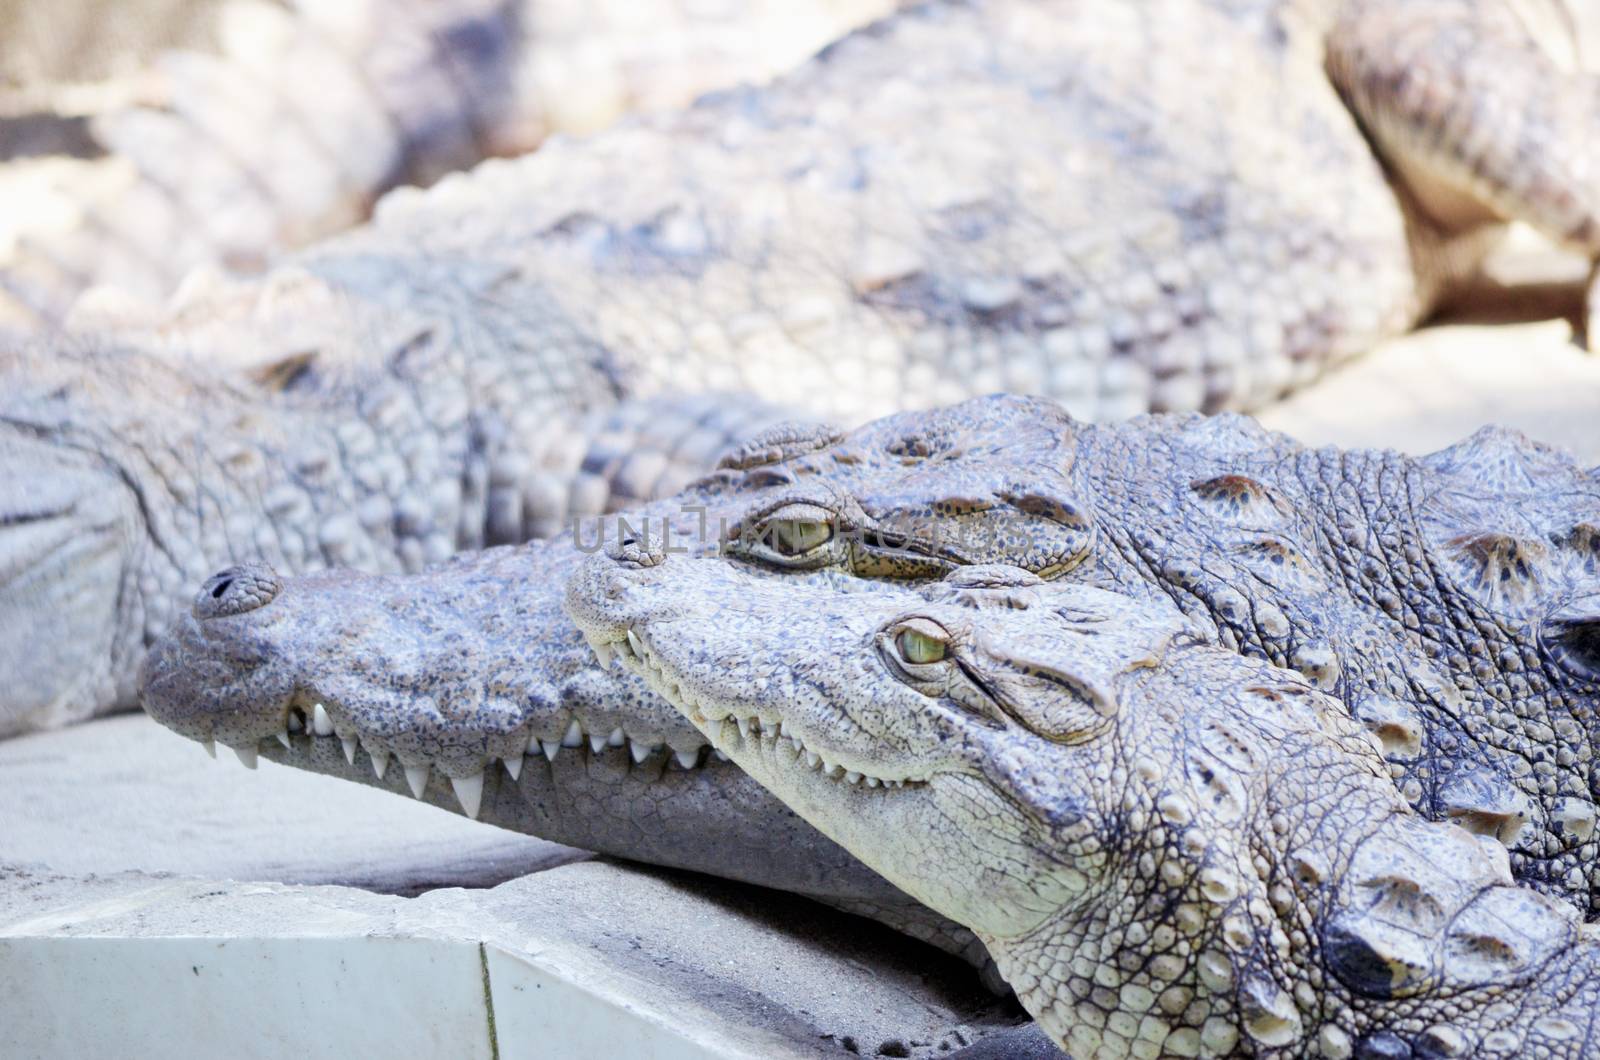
<point>144,140</point>
<point>1170,849</point>
<point>860,236</point>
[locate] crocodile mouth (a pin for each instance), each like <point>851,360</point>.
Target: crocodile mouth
<point>309,727</point>
<point>734,733</point>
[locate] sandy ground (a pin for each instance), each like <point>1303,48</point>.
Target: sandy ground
<point>1435,387</point>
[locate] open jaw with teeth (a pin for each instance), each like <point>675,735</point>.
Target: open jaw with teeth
<point>402,676</point>
<point>731,732</point>
<point>468,789</point>
<point>470,673</point>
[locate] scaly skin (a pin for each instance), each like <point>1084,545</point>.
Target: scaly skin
<point>1376,576</point>
<point>1170,849</point>
<point>864,235</point>
<point>218,156</point>
<point>1452,601</point>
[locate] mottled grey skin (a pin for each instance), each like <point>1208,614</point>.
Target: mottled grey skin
<point>863,236</point>
<point>1169,849</point>
<point>1376,576</point>
<point>218,134</point>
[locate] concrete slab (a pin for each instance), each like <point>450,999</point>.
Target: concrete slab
<point>571,956</point>
<point>588,959</point>
<point>124,793</point>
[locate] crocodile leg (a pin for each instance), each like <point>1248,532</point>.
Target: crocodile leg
<point>1476,113</point>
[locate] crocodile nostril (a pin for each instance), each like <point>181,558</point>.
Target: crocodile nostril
<point>236,590</point>
<point>639,550</point>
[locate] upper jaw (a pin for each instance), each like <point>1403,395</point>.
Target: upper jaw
<point>278,677</point>
<point>739,731</point>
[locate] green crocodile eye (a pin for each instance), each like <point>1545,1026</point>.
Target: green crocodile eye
<point>915,647</point>
<point>794,537</point>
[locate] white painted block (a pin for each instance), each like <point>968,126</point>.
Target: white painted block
<point>305,998</point>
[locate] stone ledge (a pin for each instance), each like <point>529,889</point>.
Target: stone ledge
<point>128,932</point>
<point>587,959</point>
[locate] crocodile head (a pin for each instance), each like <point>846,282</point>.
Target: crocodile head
<point>918,494</point>
<point>1168,847</point>
<point>883,712</point>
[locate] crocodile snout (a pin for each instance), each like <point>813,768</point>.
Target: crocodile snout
<point>639,550</point>
<point>615,590</point>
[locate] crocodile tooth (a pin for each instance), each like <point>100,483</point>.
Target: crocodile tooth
<point>597,742</point>
<point>744,728</point>
<point>349,743</point>
<point>852,777</point>
<point>640,750</point>
<point>295,722</point>
<point>687,759</point>
<point>716,752</point>
<point>598,646</point>
<point>616,739</point>
<point>636,644</point>
<point>380,762</point>
<point>873,782</point>
<point>550,748</point>
<point>417,777</point>
<point>247,755</point>
<point>573,737</point>
<point>210,746</point>
<point>283,738</point>
<point>813,760</point>
<point>321,724</point>
<point>469,793</point>
<point>514,767</point>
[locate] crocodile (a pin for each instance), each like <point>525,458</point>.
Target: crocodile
<point>1449,602</point>
<point>175,138</point>
<point>856,238</point>
<point>1169,848</point>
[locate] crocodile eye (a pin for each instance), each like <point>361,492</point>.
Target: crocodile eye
<point>796,537</point>
<point>1577,648</point>
<point>920,642</point>
<point>1571,636</point>
<point>919,648</point>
